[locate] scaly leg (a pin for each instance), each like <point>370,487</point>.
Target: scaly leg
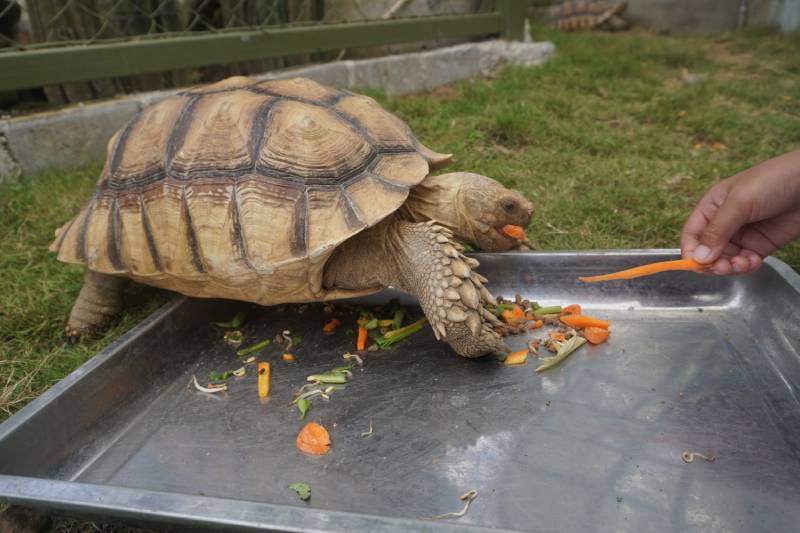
<point>97,305</point>
<point>421,259</point>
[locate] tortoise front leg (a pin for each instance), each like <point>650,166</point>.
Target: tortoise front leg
<point>99,302</point>
<point>421,259</point>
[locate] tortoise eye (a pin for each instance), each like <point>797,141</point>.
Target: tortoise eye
<point>509,207</point>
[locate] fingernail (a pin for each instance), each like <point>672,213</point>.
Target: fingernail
<point>702,253</point>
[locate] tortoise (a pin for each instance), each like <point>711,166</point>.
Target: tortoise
<point>287,191</point>
<point>577,15</point>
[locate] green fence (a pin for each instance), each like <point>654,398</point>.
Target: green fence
<point>80,40</point>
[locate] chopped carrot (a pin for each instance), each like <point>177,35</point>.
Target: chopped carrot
<point>331,326</point>
<point>595,335</point>
<point>515,232</point>
<point>516,358</point>
<point>361,343</point>
<point>314,439</point>
<point>287,357</point>
<point>529,316</point>
<point>583,321</point>
<point>558,336</point>
<point>513,315</point>
<point>263,380</point>
<point>573,309</point>
<point>536,325</point>
<point>647,270</point>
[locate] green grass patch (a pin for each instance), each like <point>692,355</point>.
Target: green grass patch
<point>607,139</point>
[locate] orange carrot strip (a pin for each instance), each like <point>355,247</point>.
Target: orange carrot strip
<point>314,439</point>
<point>331,326</point>
<point>583,321</point>
<point>515,232</point>
<point>263,380</point>
<point>361,343</point>
<point>595,335</point>
<point>573,309</point>
<point>647,270</point>
<point>516,358</point>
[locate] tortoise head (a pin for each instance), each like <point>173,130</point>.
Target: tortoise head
<point>476,208</point>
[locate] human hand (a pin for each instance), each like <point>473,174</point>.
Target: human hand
<point>746,217</point>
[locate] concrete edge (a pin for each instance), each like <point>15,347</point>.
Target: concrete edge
<point>78,135</point>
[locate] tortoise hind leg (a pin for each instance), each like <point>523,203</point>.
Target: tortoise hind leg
<point>97,305</point>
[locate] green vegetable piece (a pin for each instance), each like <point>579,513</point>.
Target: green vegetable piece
<point>236,322</point>
<point>336,378</point>
<point>399,315</point>
<point>217,376</point>
<point>396,335</point>
<point>341,369</point>
<point>372,324</point>
<point>302,489</point>
<point>296,340</point>
<point>253,348</point>
<point>552,310</point>
<point>567,347</point>
<point>304,405</point>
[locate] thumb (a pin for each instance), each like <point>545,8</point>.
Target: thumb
<point>729,218</point>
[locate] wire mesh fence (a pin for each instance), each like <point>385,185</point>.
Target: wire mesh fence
<point>33,24</point>
<point>79,50</point>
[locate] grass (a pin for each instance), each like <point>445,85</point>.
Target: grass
<point>608,139</point>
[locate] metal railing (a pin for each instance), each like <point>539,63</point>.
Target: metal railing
<point>59,42</point>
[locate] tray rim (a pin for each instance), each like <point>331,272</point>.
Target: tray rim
<point>175,508</point>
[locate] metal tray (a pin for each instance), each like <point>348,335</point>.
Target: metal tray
<point>694,362</point>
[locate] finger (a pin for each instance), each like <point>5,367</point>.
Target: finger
<point>722,267</point>
<point>697,221</point>
<point>755,260</point>
<point>740,264</point>
<point>729,218</point>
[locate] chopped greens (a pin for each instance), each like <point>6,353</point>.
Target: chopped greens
<point>302,489</point>
<point>220,376</point>
<point>330,377</point>
<point>397,335</point>
<point>296,340</point>
<point>565,349</point>
<point>552,310</point>
<point>253,348</point>
<point>303,404</point>
<point>236,322</point>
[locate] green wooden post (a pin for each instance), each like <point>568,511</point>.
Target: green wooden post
<point>514,14</point>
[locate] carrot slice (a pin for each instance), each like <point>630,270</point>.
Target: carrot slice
<point>287,357</point>
<point>595,335</point>
<point>263,380</point>
<point>648,270</point>
<point>515,232</point>
<point>361,343</point>
<point>331,326</point>
<point>573,309</point>
<point>513,315</point>
<point>536,325</point>
<point>583,321</point>
<point>516,358</point>
<point>558,336</point>
<point>314,439</point>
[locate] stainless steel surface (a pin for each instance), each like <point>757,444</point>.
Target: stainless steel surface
<point>694,362</point>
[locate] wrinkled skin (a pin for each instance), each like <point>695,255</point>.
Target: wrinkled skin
<point>418,251</point>
<point>474,207</point>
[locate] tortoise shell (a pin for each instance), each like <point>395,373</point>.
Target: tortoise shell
<point>242,189</point>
